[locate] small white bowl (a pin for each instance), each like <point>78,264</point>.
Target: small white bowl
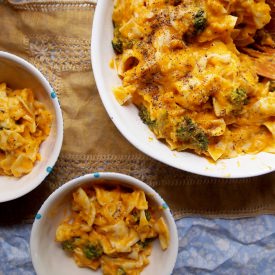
<point>49,258</point>
<point>18,73</point>
<point>130,125</point>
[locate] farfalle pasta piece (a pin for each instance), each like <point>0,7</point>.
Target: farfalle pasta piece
<point>163,232</point>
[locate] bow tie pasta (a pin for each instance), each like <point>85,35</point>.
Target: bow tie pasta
<point>181,64</point>
<point>24,124</point>
<point>112,229</point>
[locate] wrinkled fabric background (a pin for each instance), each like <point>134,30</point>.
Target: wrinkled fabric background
<point>206,246</point>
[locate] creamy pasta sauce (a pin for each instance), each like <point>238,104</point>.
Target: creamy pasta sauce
<point>24,124</point>
<point>180,64</point>
<point>112,227</point>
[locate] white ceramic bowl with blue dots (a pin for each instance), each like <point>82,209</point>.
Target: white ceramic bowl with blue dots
<point>19,74</point>
<point>48,256</point>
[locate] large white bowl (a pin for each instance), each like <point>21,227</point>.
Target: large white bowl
<point>129,124</point>
<point>48,256</point>
<point>18,73</point>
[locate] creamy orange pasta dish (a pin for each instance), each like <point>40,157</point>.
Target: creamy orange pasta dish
<point>111,227</point>
<point>24,124</point>
<point>185,65</point>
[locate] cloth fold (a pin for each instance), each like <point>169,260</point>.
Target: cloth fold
<point>55,37</point>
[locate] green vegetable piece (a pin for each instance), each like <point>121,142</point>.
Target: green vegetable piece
<point>145,116</point>
<point>127,44</point>
<point>121,271</point>
<point>92,252</point>
<point>190,132</point>
<point>135,216</point>
<point>147,215</point>
<point>200,21</point>
<point>117,41</point>
<point>145,243</point>
<point>238,97</point>
<point>68,245</point>
<point>117,46</point>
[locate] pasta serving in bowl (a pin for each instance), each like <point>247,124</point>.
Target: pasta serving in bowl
<point>31,127</point>
<point>25,123</point>
<point>104,223</point>
<point>187,71</point>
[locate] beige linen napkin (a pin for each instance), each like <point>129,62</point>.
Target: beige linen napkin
<point>55,37</point>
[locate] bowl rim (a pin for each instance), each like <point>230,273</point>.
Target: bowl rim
<point>50,162</point>
<point>107,102</point>
<point>93,178</point>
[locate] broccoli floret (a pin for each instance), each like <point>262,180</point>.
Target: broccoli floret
<point>146,242</point>
<point>200,21</point>
<point>121,271</point>
<point>135,215</point>
<point>272,86</point>
<point>199,24</point>
<point>127,44</point>
<point>238,98</point>
<point>68,245</point>
<point>190,132</point>
<point>145,116</point>
<point>117,46</point>
<point>147,215</point>
<point>119,43</point>
<point>92,252</point>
